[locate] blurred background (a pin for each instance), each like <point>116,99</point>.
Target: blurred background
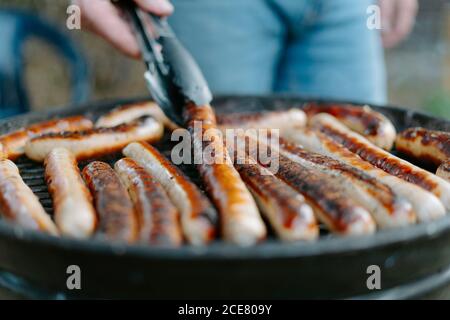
<point>418,70</point>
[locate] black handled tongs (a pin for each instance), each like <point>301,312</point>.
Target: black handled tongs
<point>173,77</point>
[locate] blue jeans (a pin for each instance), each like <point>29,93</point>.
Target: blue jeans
<point>315,48</point>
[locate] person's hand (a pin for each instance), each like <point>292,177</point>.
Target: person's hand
<point>103,18</point>
<point>397,20</point>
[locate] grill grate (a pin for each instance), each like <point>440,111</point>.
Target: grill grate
<point>33,175</point>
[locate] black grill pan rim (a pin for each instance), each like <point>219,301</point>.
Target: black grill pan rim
<point>220,250</point>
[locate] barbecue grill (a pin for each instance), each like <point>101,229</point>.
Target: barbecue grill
<point>413,260</point>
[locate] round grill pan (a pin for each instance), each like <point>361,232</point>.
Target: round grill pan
<point>413,260</point>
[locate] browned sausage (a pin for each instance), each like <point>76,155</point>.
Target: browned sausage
<point>158,218</point>
<point>12,145</point>
<point>387,208</point>
<point>131,112</point>
<point>286,210</point>
<point>423,144</point>
<point>72,202</point>
<point>373,125</point>
<point>382,159</point>
<point>198,216</point>
<point>341,215</point>
<point>240,218</point>
<point>95,142</point>
<point>425,204</point>
<point>117,218</point>
<point>18,204</point>
<point>282,120</point>
<point>444,170</point>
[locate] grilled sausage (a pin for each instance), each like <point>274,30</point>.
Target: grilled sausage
<point>117,218</point>
<point>388,209</point>
<point>18,203</point>
<point>198,216</point>
<point>12,145</point>
<point>340,214</point>
<point>128,113</point>
<point>444,170</point>
<point>281,120</point>
<point>240,218</point>
<point>382,159</point>
<point>286,210</point>
<point>423,144</point>
<point>95,142</point>
<point>373,125</point>
<point>72,202</point>
<point>425,204</point>
<point>158,218</point>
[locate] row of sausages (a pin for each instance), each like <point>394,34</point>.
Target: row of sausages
<point>332,168</point>
<point>135,201</point>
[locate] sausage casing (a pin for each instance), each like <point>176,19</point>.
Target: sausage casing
<point>240,219</point>
<point>18,203</point>
<point>444,170</point>
<point>130,112</point>
<point>387,207</point>
<point>371,124</point>
<point>425,204</point>
<point>282,120</point>
<point>95,142</point>
<point>198,216</point>
<point>382,159</point>
<point>12,145</point>
<point>287,211</point>
<point>72,202</point>
<point>117,218</point>
<point>341,214</point>
<point>158,218</point>
<point>425,145</point>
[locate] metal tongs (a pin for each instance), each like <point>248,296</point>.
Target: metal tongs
<point>173,77</point>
